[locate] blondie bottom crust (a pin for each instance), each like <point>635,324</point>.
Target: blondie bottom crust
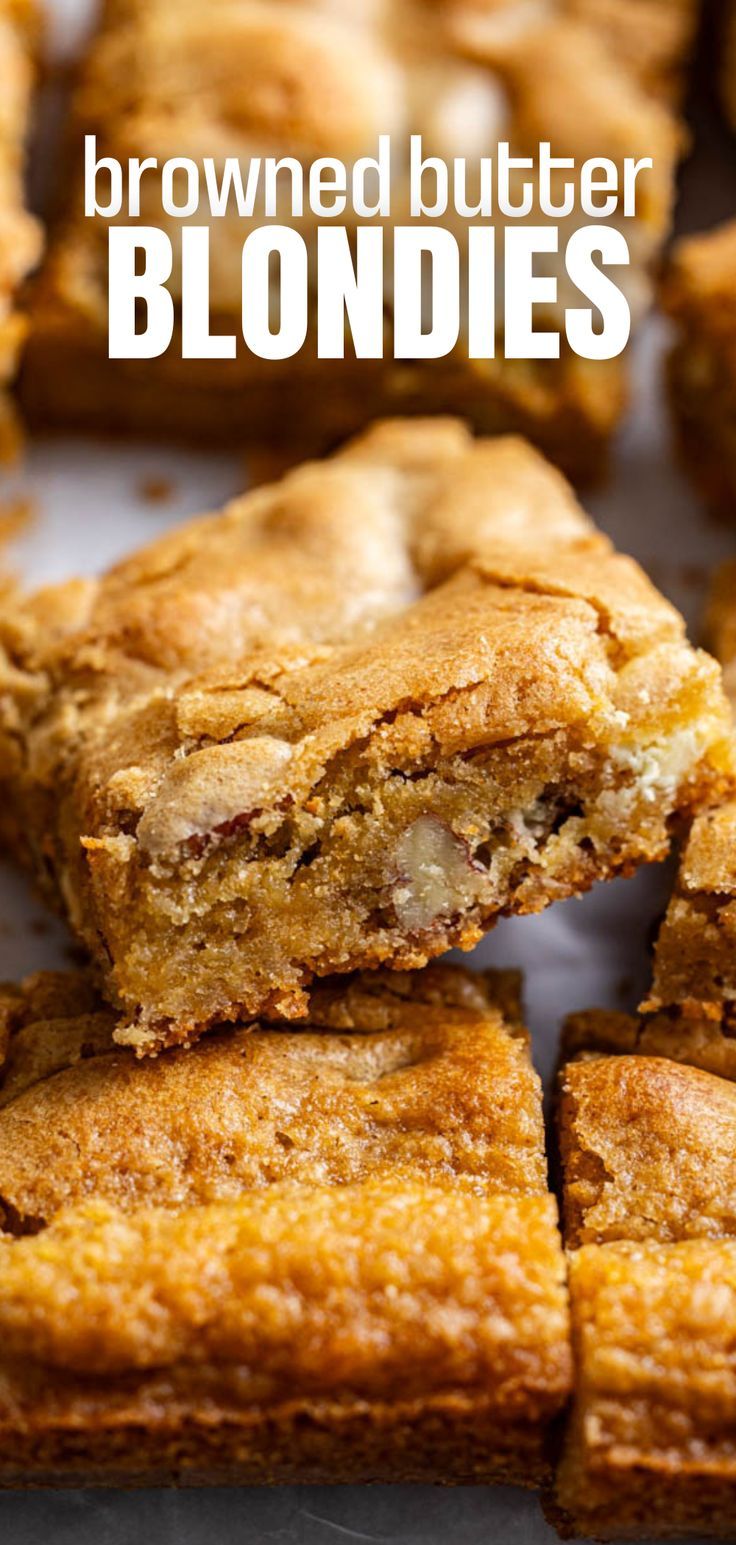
<point>700,294</point>
<point>240,77</point>
<point>19,234</point>
<point>323,1256</point>
<point>349,722</point>
<point>648,1151</point>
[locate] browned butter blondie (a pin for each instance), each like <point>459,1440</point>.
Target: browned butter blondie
<point>242,78</point>
<point>695,958</point>
<point>349,722</point>
<point>648,1155</point>
<point>319,1256</point>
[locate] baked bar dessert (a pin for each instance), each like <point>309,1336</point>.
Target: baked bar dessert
<point>695,957</point>
<point>19,234</point>
<point>700,294</point>
<point>240,77</point>
<point>349,722</point>
<point>649,1164</point>
<point>321,1256</point>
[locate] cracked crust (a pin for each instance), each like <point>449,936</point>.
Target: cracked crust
<point>699,293</point>
<point>649,1182</point>
<point>308,79</point>
<point>349,722</point>
<point>279,1256</point>
<point>20,237</point>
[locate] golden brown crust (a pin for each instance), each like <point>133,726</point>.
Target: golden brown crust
<point>306,79</point>
<point>437,1085</point>
<point>700,294</point>
<point>347,723</point>
<point>275,1256</point>
<point>626,1122</point>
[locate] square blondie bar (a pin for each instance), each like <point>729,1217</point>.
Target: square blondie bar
<point>324,1256</point>
<point>695,957</point>
<point>649,1168</point>
<point>20,240</point>
<point>164,78</point>
<point>699,293</point>
<point>349,722</point>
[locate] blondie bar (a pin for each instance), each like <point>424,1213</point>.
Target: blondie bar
<point>349,722</point>
<point>19,234</point>
<point>695,957</point>
<point>165,78</point>
<point>649,1167</point>
<point>700,294</point>
<point>321,1256</point>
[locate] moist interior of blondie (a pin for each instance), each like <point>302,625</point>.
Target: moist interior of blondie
<point>349,722</point>
<point>279,1255</point>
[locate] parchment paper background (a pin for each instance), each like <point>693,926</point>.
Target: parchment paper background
<point>93,503</point>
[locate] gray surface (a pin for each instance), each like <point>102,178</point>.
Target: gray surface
<point>295,1515</point>
<point>579,954</point>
